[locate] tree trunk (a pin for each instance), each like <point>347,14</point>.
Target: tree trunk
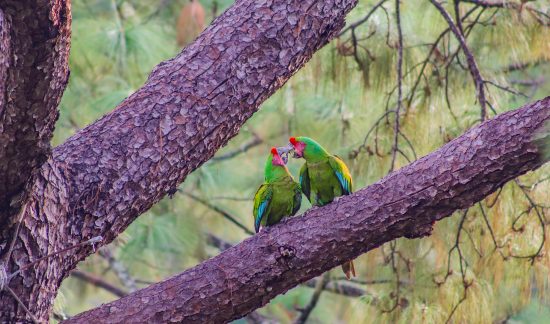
<point>34,53</point>
<point>405,203</point>
<point>102,178</point>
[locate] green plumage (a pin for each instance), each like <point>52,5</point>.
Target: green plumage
<point>280,196</point>
<point>323,177</point>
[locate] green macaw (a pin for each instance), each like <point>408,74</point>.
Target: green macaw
<point>323,177</point>
<point>280,196</point>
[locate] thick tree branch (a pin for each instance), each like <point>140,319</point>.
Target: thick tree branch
<point>405,203</point>
<point>34,51</point>
<point>112,171</point>
<point>344,288</point>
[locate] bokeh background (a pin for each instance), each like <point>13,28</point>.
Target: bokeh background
<point>491,265</point>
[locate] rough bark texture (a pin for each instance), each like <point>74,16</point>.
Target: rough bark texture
<point>34,51</point>
<point>405,203</point>
<point>109,173</point>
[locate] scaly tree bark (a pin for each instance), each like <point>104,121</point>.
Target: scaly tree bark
<point>102,178</point>
<point>34,52</point>
<point>405,203</point>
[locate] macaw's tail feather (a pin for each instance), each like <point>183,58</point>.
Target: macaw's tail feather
<point>349,269</point>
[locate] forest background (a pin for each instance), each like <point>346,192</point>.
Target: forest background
<point>488,264</point>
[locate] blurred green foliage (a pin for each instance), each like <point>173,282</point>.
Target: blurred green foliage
<point>115,43</point>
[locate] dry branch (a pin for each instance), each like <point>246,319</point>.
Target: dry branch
<point>405,203</point>
<point>98,282</point>
<point>472,65</point>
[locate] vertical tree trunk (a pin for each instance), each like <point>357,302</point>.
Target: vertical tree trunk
<point>34,53</point>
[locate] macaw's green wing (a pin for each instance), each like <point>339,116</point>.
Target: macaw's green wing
<point>343,174</point>
<point>304,181</point>
<point>262,200</point>
<point>297,199</point>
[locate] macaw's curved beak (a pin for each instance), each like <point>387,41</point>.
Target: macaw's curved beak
<point>283,152</point>
<point>295,153</point>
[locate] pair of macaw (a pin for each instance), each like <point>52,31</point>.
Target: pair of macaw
<point>322,178</point>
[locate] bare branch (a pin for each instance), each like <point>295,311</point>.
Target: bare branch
<point>396,130</point>
<point>119,269</point>
<point>220,211</point>
<point>319,287</point>
<point>361,21</point>
<point>98,282</point>
<point>472,65</point>
<point>254,141</point>
<point>542,223</point>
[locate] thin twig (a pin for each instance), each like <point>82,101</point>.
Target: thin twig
<point>430,53</point>
<point>472,65</point>
<point>98,282</point>
<point>254,141</point>
<point>7,256</point>
<point>91,241</point>
<point>14,295</point>
<point>462,299</point>
<point>362,20</point>
<point>119,269</point>
<point>497,246</point>
<point>534,206</point>
<point>399,86</point>
<point>319,287</point>
<point>507,89</point>
<point>219,211</point>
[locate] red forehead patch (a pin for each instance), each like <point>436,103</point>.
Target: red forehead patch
<point>274,151</point>
<point>293,140</point>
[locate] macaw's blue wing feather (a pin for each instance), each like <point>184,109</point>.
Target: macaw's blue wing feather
<point>262,200</point>
<point>342,173</point>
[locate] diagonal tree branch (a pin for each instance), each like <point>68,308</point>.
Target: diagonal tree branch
<point>405,203</point>
<point>110,172</point>
<point>345,288</point>
<point>34,51</point>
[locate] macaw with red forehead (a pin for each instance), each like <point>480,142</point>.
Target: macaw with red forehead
<point>323,177</point>
<point>280,196</point>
